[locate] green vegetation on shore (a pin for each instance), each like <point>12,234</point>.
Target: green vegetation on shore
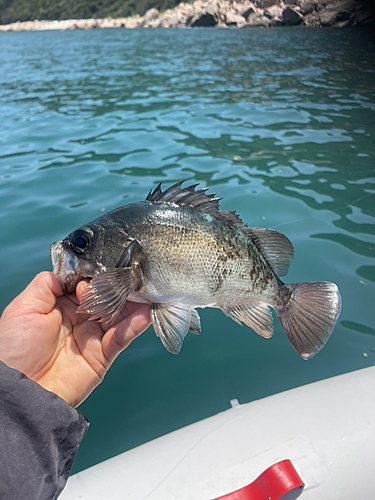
<point>30,10</point>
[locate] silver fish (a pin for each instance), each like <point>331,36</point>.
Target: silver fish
<point>177,251</point>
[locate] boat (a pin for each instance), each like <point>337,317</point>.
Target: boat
<point>326,430</point>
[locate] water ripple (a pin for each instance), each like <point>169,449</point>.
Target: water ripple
<point>280,123</point>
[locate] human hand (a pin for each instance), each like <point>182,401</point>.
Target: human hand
<point>42,336</point>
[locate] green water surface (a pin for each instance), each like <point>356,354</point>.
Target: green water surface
<point>279,122</point>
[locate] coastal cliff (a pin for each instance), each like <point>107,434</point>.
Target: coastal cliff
<point>223,14</point>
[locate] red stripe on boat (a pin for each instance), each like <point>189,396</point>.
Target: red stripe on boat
<point>278,480</point>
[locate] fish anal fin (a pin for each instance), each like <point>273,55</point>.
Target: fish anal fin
<point>256,315</point>
<point>106,294</point>
<point>172,323</point>
<point>275,247</point>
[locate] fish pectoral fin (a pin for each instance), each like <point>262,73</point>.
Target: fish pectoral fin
<point>106,294</point>
<point>256,315</point>
<point>172,323</point>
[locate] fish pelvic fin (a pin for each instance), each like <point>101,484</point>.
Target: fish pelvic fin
<point>106,294</point>
<point>310,316</point>
<point>195,322</point>
<point>256,315</point>
<point>172,323</point>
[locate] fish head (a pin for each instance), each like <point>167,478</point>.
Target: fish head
<point>87,251</point>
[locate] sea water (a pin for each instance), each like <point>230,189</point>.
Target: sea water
<point>280,123</point>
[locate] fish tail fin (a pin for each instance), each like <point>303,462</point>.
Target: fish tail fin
<point>310,315</point>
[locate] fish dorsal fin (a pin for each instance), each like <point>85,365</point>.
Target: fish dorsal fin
<point>275,247</point>
<point>196,199</point>
<point>177,195</point>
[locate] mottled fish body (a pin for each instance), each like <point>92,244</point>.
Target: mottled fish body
<point>177,251</point>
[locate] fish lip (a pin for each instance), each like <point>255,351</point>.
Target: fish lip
<point>64,267</point>
<point>57,258</point>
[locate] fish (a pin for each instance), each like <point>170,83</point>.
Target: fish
<point>177,251</point>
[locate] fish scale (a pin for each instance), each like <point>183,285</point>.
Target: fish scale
<point>177,251</point>
<point>219,271</point>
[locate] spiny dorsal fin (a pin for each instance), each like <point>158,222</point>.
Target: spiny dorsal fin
<point>196,199</point>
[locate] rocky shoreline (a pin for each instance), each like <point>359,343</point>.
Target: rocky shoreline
<point>224,14</point>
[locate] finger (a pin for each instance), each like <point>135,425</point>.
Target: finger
<point>128,309</point>
<point>118,337</point>
<point>41,294</point>
<point>76,296</point>
<point>81,288</point>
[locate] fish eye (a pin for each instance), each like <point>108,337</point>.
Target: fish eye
<point>81,240</point>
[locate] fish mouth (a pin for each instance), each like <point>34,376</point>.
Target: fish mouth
<point>65,268</point>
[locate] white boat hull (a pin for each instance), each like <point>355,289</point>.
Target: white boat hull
<point>327,430</point>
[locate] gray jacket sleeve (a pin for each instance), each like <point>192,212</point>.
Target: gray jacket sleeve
<point>39,438</point>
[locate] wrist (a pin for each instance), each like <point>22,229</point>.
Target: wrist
<point>60,390</point>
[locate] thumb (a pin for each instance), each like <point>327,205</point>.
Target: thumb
<point>40,295</point>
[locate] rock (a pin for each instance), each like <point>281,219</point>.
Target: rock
<point>132,22</point>
<point>247,9</point>
<point>150,15</point>
<point>274,12</point>
<point>290,2</point>
<point>338,12</point>
<point>328,18</point>
<point>342,25</point>
<point>202,19</point>
<point>306,8</point>
<point>171,21</point>
<point>343,16</point>
<point>291,18</point>
<point>213,9</point>
<point>171,18</point>
<point>185,12</point>
<point>312,20</point>
<point>341,5</point>
<point>254,20</point>
<point>264,4</point>
<point>232,18</point>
